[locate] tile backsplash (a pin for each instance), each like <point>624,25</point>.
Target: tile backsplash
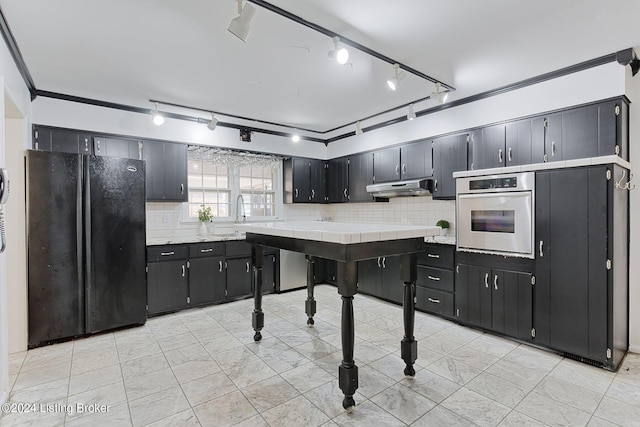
<point>165,220</point>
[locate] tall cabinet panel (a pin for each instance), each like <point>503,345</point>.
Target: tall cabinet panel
<point>166,171</point>
<point>318,180</point>
<point>339,180</point>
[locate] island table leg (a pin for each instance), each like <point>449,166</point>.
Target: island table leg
<point>257,317</point>
<point>348,371</point>
<point>310,303</point>
<point>408,345</point>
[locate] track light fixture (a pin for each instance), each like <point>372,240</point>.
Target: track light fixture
<point>156,116</point>
<point>339,53</point>
<point>241,25</point>
<point>439,97</point>
<point>411,114</point>
<point>212,123</point>
<point>358,128</point>
<point>398,75</point>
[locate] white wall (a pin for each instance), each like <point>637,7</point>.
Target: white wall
<point>586,86</point>
<point>633,92</point>
<point>53,112</point>
<point>17,95</point>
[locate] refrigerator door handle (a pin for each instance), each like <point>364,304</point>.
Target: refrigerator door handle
<point>85,203</point>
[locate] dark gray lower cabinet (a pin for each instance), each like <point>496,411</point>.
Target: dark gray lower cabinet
<point>167,286</point>
<point>435,281</point>
<point>380,277</point>
<point>581,289</point>
<point>270,272</point>
<point>239,274</point>
<point>206,280</point>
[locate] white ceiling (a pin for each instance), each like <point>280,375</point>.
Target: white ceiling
<point>179,51</point>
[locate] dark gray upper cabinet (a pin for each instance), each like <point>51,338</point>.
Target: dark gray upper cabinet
<point>305,180</point>
<point>386,165</point>
<point>61,140</point>
<point>519,146</point>
<point>318,181</point>
<point>449,156</point>
<point>360,175</point>
<point>339,180</point>
<point>117,147</point>
<point>416,159</point>
<point>166,171</point>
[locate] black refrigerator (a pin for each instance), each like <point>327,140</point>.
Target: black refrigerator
<point>86,244</point>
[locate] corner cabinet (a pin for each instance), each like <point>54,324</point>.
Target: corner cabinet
<point>305,180</point>
<point>166,171</point>
<point>581,291</point>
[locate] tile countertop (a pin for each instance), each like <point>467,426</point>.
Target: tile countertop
<point>195,239</point>
<point>339,232</point>
<point>602,160</point>
<point>442,240</point>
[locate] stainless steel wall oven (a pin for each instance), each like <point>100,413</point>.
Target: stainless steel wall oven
<point>495,214</point>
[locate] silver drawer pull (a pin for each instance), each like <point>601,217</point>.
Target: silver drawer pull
<point>541,253</point>
<point>486,280</point>
<point>500,155</point>
<point>247,266</point>
<point>433,256</point>
<point>184,270</point>
<point>495,281</point>
<point>220,266</point>
<point>296,193</point>
<point>434,278</point>
<point>204,251</point>
<point>167,253</point>
<point>435,301</point>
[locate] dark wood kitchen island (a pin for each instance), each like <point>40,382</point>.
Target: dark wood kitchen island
<point>347,244</point>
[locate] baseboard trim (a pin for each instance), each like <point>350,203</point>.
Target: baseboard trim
<point>634,349</point>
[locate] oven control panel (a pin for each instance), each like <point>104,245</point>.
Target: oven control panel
<point>493,183</point>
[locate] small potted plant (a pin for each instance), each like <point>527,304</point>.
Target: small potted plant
<point>444,226</point>
<point>204,216</point>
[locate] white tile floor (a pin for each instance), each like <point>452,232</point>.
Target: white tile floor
<point>201,367</point>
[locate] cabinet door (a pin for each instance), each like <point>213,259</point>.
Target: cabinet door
<point>41,138</point>
<point>386,165</point>
<point>339,180</point>
<point>154,168</point>
<point>167,286</point>
<point>416,160</point>
<point>61,140</point>
<point>494,153</point>
<point>301,180</point>
<point>175,172</point>
<point>553,138</point>
<point>392,285</point>
<point>538,133</point>
<point>497,286</point>
<point>517,294</point>
<point>318,184</point>
<point>464,273</point>
<point>117,147</point>
<point>360,175</point>
<point>518,143</point>
<point>206,280</point>
<point>238,277</point>
<point>449,155</point>
<point>580,132</point>
<point>370,277</point>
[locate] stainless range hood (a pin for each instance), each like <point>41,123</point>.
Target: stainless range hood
<point>413,187</point>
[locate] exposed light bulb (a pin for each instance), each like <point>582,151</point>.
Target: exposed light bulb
<point>439,97</point>
<point>156,116</point>
<point>339,53</point>
<point>393,82</point>
<point>295,137</point>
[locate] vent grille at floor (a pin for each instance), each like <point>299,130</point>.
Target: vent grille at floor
<point>583,360</point>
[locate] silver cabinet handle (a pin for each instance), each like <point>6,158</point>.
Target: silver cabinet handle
<point>225,265</point>
<point>313,193</point>
<point>220,266</point>
<point>495,281</point>
<point>404,169</point>
<point>509,158</point>
<point>435,301</point>
<point>486,280</point>
<point>437,279</point>
<point>433,255</point>
<point>345,192</point>
<point>86,144</point>
<point>435,186</point>
<point>247,266</point>
<point>204,251</point>
<point>541,253</point>
<point>167,253</point>
<point>397,169</point>
<point>379,262</point>
<point>295,193</point>
<point>553,148</point>
<point>500,155</point>
<point>184,270</point>
<point>384,258</point>
<point>181,188</point>
<point>98,146</point>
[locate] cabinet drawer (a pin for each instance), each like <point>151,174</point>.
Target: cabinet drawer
<point>166,253</point>
<point>434,301</point>
<point>206,249</point>
<point>238,248</point>
<point>434,255</point>
<point>435,278</point>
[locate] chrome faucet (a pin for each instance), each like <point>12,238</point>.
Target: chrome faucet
<point>244,216</point>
